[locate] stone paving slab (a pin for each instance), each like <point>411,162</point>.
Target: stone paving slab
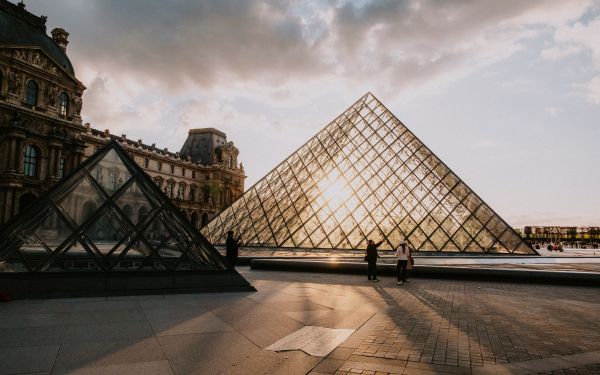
<point>427,326</point>
<point>315,341</point>
<point>82,355</point>
<point>138,368</point>
<point>23,359</point>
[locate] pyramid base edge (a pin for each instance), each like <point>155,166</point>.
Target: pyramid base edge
<point>82,284</point>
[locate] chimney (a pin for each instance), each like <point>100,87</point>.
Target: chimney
<point>60,38</point>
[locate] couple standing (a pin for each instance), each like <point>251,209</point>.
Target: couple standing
<point>402,253</point>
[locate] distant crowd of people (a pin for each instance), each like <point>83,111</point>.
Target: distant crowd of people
<point>561,245</point>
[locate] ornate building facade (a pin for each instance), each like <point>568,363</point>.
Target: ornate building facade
<point>42,137</point>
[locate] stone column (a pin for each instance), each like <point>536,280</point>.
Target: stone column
<point>5,147</point>
<point>54,160</point>
<point>4,206</point>
<point>77,158</point>
<point>57,163</point>
<point>18,152</point>
<point>11,157</point>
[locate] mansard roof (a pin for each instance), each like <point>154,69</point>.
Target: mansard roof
<point>18,27</point>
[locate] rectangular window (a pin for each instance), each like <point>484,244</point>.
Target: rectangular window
<point>30,161</point>
<point>112,180</point>
<point>61,168</point>
<point>159,166</point>
<point>146,163</point>
<point>193,174</point>
<point>183,172</point>
<point>206,194</point>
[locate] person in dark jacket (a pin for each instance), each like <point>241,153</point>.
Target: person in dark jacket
<point>371,258</point>
<point>232,245</point>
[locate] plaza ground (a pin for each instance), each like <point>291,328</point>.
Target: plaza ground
<point>428,326</point>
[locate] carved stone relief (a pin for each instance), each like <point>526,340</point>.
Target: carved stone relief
<point>77,104</point>
<point>37,59</point>
<point>51,94</point>
<point>21,54</point>
<point>15,81</point>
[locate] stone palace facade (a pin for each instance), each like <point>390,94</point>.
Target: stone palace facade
<point>42,137</point>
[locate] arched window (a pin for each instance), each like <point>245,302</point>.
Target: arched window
<point>32,92</point>
<point>63,103</point>
<point>30,159</point>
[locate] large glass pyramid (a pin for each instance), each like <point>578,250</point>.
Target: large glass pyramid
<point>365,176</point>
<point>107,216</point>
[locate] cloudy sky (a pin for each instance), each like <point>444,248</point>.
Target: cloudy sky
<point>507,93</point>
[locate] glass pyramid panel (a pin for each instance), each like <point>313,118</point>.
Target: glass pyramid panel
<point>109,216</point>
<point>135,204</point>
<point>110,172</point>
<point>366,175</point>
<point>81,201</point>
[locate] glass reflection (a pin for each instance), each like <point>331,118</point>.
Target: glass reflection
<point>366,175</point>
<point>106,217</point>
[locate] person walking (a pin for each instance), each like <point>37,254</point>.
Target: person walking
<point>403,255</point>
<point>232,246</point>
<point>371,256</point>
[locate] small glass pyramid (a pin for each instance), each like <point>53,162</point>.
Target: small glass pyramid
<point>365,176</point>
<point>106,216</point>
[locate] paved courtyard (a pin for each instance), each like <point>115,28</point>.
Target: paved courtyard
<point>424,327</point>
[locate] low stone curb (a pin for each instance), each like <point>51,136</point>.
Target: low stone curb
<point>444,272</point>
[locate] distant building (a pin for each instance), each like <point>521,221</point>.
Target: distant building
<point>42,137</point>
<point>561,233</point>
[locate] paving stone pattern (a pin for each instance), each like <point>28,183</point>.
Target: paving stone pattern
<point>427,326</point>
<point>475,324</point>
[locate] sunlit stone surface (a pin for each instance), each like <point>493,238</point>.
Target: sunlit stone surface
<point>317,341</point>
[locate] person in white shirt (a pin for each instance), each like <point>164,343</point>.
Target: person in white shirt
<point>403,255</point>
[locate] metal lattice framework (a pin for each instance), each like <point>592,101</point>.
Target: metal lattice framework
<point>365,176</point>
<point>106,216</point>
